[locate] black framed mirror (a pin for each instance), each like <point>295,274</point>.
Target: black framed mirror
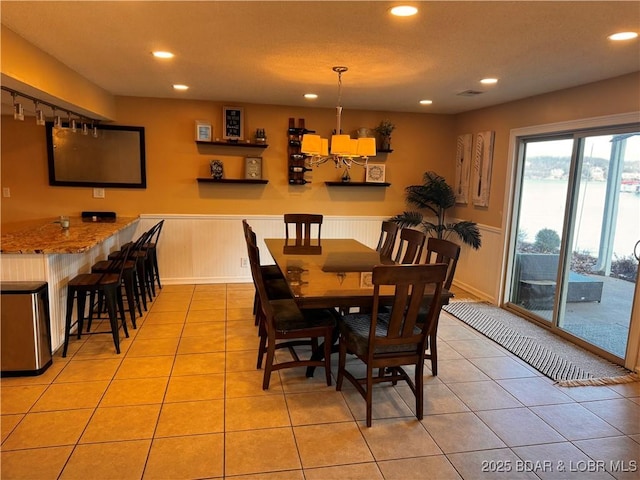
<point>112,156</point>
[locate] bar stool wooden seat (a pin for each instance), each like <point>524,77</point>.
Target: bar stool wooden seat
<point>92,285</point>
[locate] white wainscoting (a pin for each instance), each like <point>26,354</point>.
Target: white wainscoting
<point>208,248</point>
<point>480,271</point>
<point>57,270</point>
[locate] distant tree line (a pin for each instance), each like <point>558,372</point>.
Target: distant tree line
<point>543,166</point>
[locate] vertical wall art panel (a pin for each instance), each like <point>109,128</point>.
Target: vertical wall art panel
<point>482,160</point>
<point>463,168</point>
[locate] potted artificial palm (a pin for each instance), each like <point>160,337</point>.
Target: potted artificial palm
<point>436,196</point>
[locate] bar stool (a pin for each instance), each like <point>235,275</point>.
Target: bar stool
<point>130,279</point>
<point>152,256</point>
<point>140,258</point>
<point>92,284</point>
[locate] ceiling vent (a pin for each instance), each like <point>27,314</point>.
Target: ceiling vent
<point>469,93</point>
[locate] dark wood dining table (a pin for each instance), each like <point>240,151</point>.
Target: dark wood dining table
<point>336,273</point>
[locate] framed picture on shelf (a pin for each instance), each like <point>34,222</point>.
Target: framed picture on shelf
<point>233,123</point>
<point>204,131</point>
<point>375,173</point>
<point>253,168</point>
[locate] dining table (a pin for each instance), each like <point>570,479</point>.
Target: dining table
<point>335,274</point>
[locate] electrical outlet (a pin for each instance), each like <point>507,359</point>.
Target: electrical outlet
<point>6,192</point>
<point>98,193</point>
<point>244,262</point>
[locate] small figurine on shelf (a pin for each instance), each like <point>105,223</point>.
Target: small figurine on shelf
<point>216,169</point>
<point>345,176</point>
<point>261,136</point>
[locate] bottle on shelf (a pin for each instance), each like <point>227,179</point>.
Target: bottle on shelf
<point>294,143</point>
<point>298,181</point>
<point>298,156</point>
<point>299,131</point>
<point>298,169</point>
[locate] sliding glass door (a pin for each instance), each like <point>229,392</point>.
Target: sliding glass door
<point>577,220</point>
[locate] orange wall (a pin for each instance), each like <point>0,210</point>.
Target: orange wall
<point>29,70</point>
<point>613,96</point>
<point>421,142</point>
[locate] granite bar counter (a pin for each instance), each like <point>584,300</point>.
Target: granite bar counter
<point>41,250</point>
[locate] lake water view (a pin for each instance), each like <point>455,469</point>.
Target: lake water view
<point>543,206</point>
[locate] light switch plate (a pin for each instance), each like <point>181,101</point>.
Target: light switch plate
<point>98,193</point>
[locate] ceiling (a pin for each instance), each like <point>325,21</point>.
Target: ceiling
<point>273,52</point>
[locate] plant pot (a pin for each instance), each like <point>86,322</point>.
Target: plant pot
<point>385,143</point>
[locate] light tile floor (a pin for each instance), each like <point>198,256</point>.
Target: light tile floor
<point>184,400</point>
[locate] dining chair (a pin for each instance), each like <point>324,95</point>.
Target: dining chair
<point>387,240</point>
<point>443,251</point>
<point>302,223</point>
<point>411,243</point>
<point>283,325</point>
<point>274,280</point>
<point>439,251</point>
<point>389,341</point>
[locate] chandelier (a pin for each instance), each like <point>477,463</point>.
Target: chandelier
<point>344,149</point>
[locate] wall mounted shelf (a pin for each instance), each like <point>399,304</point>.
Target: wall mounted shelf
<point>381,151</point>
<point>232,144</point>
<point>356,184</point>
<point>234,180</point>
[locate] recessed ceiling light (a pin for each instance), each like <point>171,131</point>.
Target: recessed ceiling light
<point>310,96</point>
<point>404,11</point>
<point>160,54</point>
<point>180,87</point>
<point>623,36</point>
<point>489,81</point>
<point>426,102</point>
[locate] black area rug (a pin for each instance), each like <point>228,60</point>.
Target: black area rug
<point>558,359</point>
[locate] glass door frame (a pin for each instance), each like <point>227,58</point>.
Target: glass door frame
<point>571,129</point>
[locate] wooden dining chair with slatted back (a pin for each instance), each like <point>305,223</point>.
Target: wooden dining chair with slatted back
<point>410,247</point>
<point>388,340</point>
<point>284,326</point>
<point>275,282</point>
<point>304,224</point>
<point>387,240</point>
<point>439,251</point>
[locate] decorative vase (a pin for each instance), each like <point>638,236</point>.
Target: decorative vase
<point>217,169</point>
<point>385,142</point>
